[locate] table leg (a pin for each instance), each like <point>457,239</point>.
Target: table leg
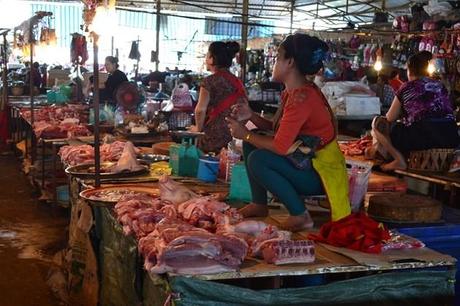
<point>26,142</point>
<point>43,164</point>
<point>54,179</point>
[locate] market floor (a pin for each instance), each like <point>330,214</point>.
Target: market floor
<point>30,234</point>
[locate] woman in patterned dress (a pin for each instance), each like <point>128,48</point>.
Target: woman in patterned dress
<point>425,112</point>
<point>218,92</point>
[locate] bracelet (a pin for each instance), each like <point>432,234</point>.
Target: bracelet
<point>248,136</point>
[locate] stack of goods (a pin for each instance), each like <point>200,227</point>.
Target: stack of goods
<point>58,122</point>
<point>187,234</point>
<point>84,154</point>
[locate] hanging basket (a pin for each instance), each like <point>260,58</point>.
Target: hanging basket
<point>435,160</point>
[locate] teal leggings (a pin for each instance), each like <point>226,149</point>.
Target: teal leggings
<point>268,171</point>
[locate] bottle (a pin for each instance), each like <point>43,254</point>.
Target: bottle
<point>232,158</point>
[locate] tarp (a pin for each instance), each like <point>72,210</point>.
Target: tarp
<point>394,288</point>
<point>119,263</point>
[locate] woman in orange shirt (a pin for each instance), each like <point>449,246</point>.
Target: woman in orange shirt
<point>304,112</point>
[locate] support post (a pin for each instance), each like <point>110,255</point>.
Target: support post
<point>97,155</point>
<point>4,74</point>
<point>33,145</point>
<point>157,40</point>
<point>244,40</point>
<point>292,16</point>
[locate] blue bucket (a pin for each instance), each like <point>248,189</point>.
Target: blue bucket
<point>208,167</point>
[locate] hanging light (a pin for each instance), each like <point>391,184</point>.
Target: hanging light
<point>105,21</point>
<point>378,64</point>
<point>431,68</point>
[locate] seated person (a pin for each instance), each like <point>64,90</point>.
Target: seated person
<point>304,113</point>
<point>379,85</point>
<point>426,114</point>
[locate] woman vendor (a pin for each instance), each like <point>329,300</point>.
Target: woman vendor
<point>426,115</point>
<point>304,114</point>
<point>218,92</point>
<point>115,79</point>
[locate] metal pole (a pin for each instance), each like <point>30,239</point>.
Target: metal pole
<point>97,155</point>
<point>31,89</point>
<point>292,16</point>
<point>4,73</point>
<point>157,41</point>
<point>31,84</point>
<point>112,46</point>
<point>244,39</point>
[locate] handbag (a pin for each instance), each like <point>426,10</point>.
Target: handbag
<point>302,151</point>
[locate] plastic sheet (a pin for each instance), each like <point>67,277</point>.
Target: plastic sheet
<point>120,267</point>
<point>396,288</point>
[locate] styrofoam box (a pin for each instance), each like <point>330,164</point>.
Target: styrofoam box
<point>356,105</point>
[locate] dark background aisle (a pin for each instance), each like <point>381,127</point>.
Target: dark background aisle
<point>30,234</point>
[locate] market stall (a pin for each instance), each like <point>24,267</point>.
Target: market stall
<point>154,220</point>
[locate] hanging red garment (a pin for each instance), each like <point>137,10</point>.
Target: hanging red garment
<point>356,231</point>
<point>78,48</point>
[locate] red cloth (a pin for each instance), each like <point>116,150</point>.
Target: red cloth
<point>356,231</point>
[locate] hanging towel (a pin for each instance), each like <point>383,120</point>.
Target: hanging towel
<point>134,53</point>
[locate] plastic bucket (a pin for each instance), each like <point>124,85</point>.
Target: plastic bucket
<point>208,167</point>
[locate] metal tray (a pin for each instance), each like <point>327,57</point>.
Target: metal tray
<point>153,158</point>
<point>100,196</point>
<point>86,171</point>
<point>180,133</point>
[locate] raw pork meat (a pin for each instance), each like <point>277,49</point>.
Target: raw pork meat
<point>127,161</point>
<point>84,154</point>
<point>290,251</point>
<point>140,213</point>
<point>174,192</point>
<point>356,147</point>
<point>269,235</point>
<point>207,213</point>
<point>178,247</point>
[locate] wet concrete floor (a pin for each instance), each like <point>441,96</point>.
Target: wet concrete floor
<point>31,232</point>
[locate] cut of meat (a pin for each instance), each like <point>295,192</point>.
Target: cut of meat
<point>269,235</point>
<point>207,213</point>
<point>356,147</point>
<point>84,154</point>
<point>174,192</point>
<point>176,246</point>
<point>127,161</point>
<point>288,252</point>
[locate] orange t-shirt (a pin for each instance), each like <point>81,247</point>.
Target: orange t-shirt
<point>304,113</point>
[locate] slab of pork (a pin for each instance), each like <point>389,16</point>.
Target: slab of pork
<point>128,161</point>
<point>289,252</point>
<point>174,192</point>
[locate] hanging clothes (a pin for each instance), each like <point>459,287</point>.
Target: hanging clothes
<point>78,48</point>
<point>134,53</point>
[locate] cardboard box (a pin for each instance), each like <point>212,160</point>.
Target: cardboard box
<point>358,105</point>
<point>102,78</point>
<point>58,77</point>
